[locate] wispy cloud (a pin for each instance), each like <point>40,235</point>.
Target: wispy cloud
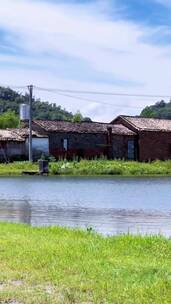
<point>164,2</point>
<point>83,45</point>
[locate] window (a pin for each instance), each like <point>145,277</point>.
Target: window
<point>131,150</point>
<point>65,144</point>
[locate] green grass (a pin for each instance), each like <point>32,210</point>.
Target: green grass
<point>114,167</point>
<point>17,168</point>
<point>57,265</point>
<point>93,167</point>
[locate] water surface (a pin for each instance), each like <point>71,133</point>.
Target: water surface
<point>108,205</point>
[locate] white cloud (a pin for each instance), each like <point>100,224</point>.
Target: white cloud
<point>84,32</point>
<point>166,3</point>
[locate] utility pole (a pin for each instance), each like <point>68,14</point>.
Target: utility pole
<point>30,88</point>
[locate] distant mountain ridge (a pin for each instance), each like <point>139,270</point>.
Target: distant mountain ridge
<point>160,109</point>
<point>10,100</point>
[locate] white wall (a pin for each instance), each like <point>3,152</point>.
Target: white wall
<point>40,145</point>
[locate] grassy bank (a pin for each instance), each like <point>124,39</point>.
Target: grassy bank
<point>56,265</point>
<point>95,167</point>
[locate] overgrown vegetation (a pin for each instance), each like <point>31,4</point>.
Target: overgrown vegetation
<point>115,167</point>
<point>160,109</point>
<point>17,168</point>
<point>93,167</point>
<point>11,100</point>
<point>9,120</point>
<point>56,265</point>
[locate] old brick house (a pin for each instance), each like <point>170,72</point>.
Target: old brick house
<point>126,137</point>
<point>153,136</point>
<point>14,144</point>
<point>87,139</point>
<point>11,145</point>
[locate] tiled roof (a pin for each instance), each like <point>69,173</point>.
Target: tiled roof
<point>18,135</point>
<point>148,124</point>
<point>83,127</point>
<point>24,132</point>
<point>10,135</point>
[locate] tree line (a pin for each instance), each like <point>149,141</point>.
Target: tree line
<point>160,109</point>
<point>10,101</point>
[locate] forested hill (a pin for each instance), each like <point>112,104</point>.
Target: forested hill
<point>160,109</point>
<point>11,100</point>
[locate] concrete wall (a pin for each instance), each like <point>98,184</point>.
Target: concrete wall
<point>40,146</point>
<point>12,150</point>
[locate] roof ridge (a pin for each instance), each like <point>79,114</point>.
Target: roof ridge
<point>72,122</point>
<point>148,124</point>
<point>141,117</point>
<point>84,127</point>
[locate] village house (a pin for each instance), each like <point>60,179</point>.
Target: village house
<point>153,136</point>
<point>87,139</point>
<point>14,144</point>
<point>126,137</point>
<point>11,145</point>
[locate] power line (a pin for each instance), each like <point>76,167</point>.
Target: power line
<point>64,92</point>
<point>102,93</point>
<point>58,90</point>
<point>13,87</point>
<point>98,102</point>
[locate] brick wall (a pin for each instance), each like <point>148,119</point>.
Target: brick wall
<point>82,145</point>
<point>88,145</point>
<point>150,145</point>
<point>154,145</point>
<point>120,146</point>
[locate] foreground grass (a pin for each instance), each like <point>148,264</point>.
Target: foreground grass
<point>93,167</point>
<point>56,265</point>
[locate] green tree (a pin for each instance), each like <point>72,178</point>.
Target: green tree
<point>160,109</point>
<point>11,100</point>
<point>9,120</point>
<point>77,117</point>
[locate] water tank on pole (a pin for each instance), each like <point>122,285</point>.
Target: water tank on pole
<point>24,112</point>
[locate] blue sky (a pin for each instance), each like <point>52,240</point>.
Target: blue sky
<point>104,45</point>
<point>150,12</point>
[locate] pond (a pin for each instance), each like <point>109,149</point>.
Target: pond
<point>108,205</point>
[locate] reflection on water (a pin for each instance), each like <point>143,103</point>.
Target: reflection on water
<point>106,221</point>
<point>15,211</point>
<point>110,206</point>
